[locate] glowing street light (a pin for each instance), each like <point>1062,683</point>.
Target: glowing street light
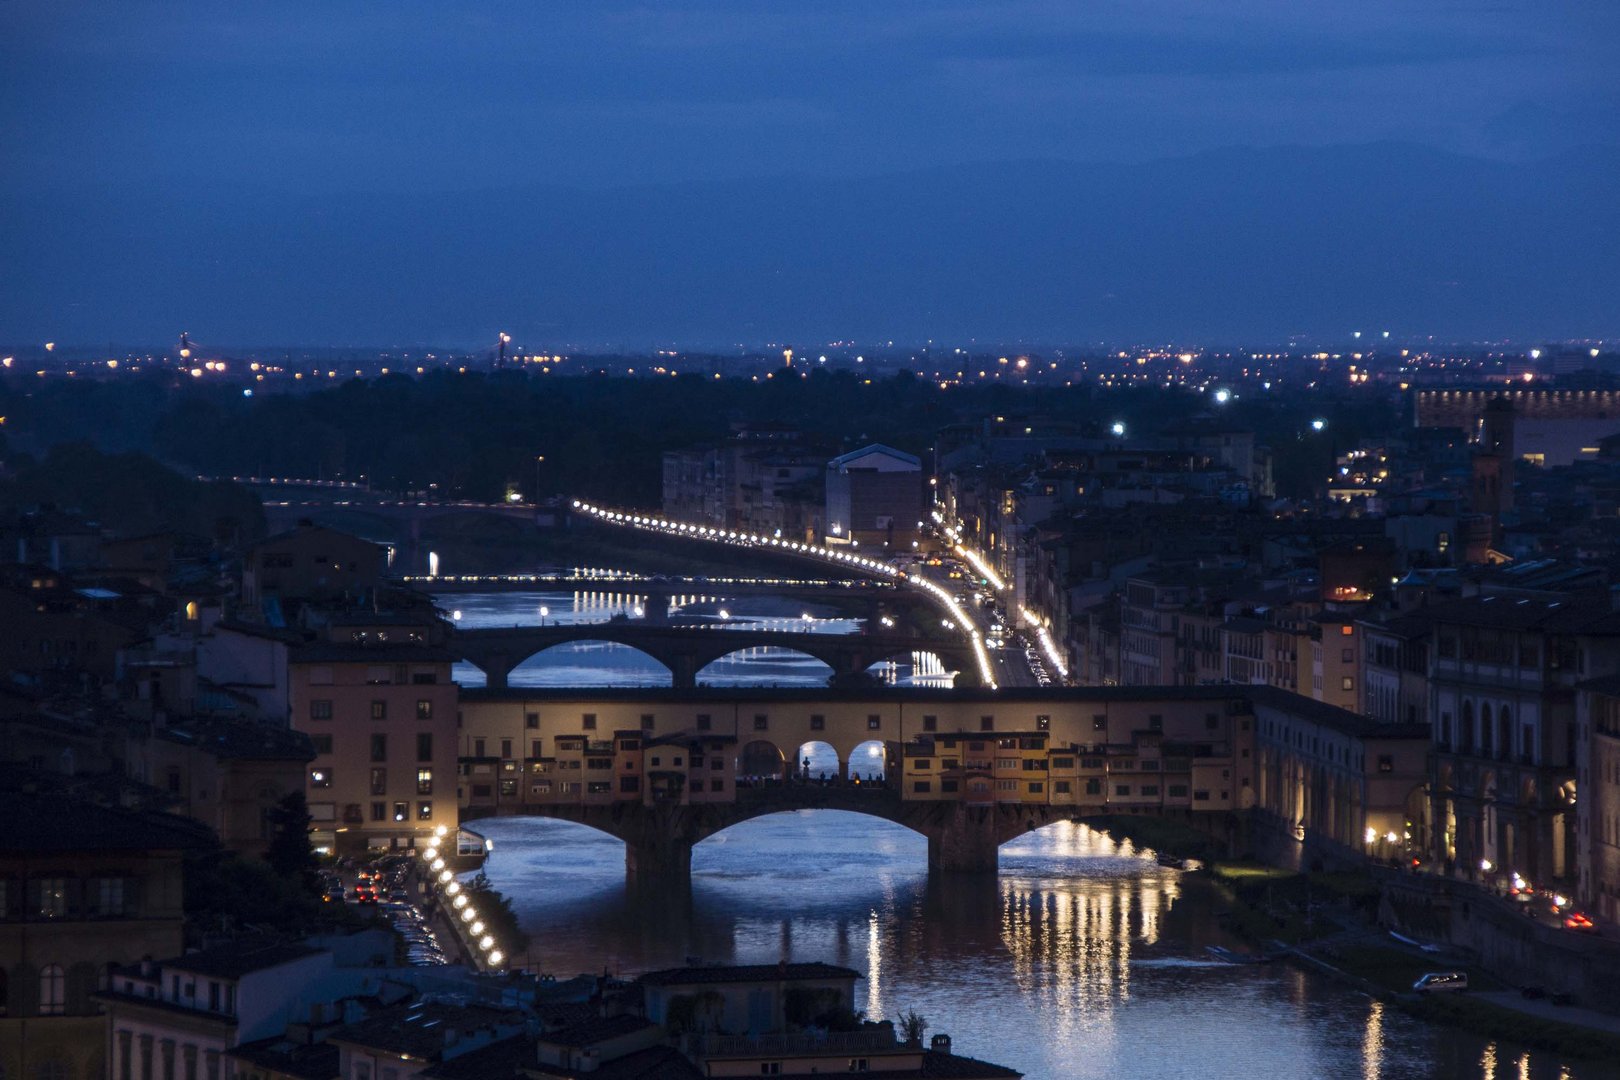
<point>1118,428</point>
<point>1318,424</point>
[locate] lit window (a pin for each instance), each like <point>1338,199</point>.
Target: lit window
<point>52,991</point>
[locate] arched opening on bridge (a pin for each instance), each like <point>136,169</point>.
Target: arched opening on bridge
<point>819,761</point>
<point>765,665</point>
<point>866,761</point>
<point>914,668</point>
<point>588,662</point>
<point>842,847</point>
<point>760,761</point>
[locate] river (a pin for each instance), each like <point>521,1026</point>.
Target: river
<point>1084,958</point>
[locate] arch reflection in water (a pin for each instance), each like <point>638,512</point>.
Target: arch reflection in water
<point>1084,959</point>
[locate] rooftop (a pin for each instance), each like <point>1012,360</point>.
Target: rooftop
<point>418,1030</point>
<point>235,959</point>
<point>37,823</point>
<point>729,973</point>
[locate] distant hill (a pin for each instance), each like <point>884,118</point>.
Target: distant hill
<point>1231,245</point>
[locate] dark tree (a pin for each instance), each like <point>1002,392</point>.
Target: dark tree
<point>290,854</point>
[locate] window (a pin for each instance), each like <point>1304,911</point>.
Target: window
<point>424,746</point>
<point>1347,683</point>
<point>922,787</point>
<point>401,811</point>
<point>1346,631</point>
<point>1150,789</point>
<point>1037,787</point>
<point>506,749</point>
<point>322,743</point>
<point>1122,789</point>
<point>379,811</point>
<point>534,748</point>
<point>1043,723</point>
<point>1155,722</point>
<point>1094,786</point>
<point>1099,722</point>
<point>1386,763</point>
<point>646,721</point>
<point>320,778</point>
<point>379,748</point>
<point>987,723</point>
<point>52,990</point>
<point>588,721</point>
<point>424,808</point>
<point>704,722</point>
<point>379,710</point>
<point>478,748</point>
<point>873,722</point>
<point>531,721</point>
<point>320,709</point>
<point>424,781</point>
<point>949,787</point>
<point>107,896</point>
<point>424,709</point>
<point>1063,763</point>
<point>379,781</point>
<point>1347,656</point>
<point>761,721</point>
<point>629,784</point>
<point>930,723</point>
<point>1178,791</point>
<point>717,784</point>
<point>1200,796</point>
<point>1060,787</point>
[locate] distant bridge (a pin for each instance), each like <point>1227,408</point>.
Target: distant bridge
<point>687,651</point>
<point>659,839</point>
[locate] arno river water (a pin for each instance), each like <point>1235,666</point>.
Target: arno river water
<point>1084,958</point>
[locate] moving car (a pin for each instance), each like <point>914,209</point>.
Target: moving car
<point>1442,982</point>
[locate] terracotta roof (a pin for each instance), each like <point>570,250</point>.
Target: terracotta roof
<point>419,1029</point>
<point>719,973</point>
<point>52,822</point>
<point>307,1061</point>
<point>238,958</point>
<point>596,1029</point>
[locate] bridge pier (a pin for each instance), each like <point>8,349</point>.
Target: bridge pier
<point>967,841</point>
<point>658,859</point>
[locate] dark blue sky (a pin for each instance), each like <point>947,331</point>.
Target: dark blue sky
<point>243,104</point>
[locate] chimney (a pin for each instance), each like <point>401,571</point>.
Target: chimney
<point>940,1044</point>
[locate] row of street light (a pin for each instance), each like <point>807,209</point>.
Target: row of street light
<point>689,530</point>
<point>473,930</point>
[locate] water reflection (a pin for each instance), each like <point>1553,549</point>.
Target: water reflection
<point>1085,958</point>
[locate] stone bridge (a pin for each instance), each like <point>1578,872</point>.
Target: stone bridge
<point>658,839</point>
<point>687,651</point>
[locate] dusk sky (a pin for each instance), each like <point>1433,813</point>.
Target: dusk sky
<point>108,107</point>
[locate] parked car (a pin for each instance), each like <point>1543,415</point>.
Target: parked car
<point>1442,982</point>
<point>1580,923</point>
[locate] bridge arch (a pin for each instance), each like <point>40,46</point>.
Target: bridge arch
<point>817,759</point>
<point>716,668</point>
<point>928,667</point>
<point>760,759</point>
<point>867,760</point>
<point>499,667</point>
